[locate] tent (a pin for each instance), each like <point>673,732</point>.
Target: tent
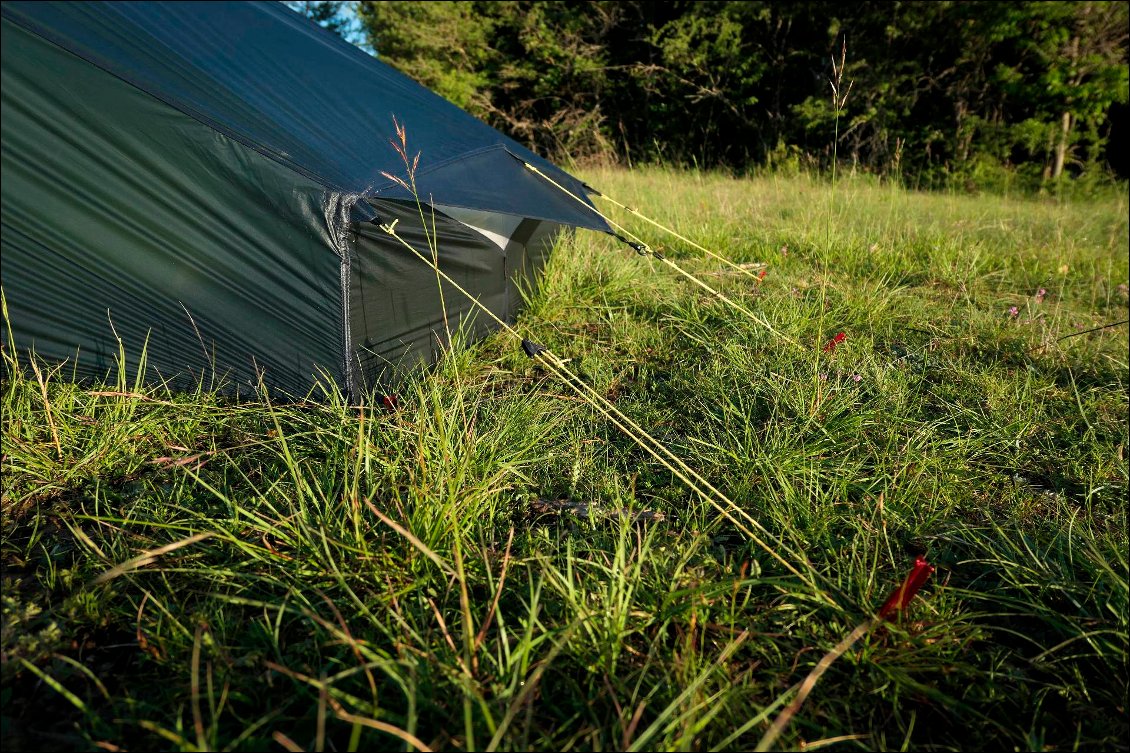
<point>204,179</point>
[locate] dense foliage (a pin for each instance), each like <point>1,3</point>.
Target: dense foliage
<point>972,91</point>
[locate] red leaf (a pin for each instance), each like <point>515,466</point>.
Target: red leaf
<point>901,596</point>
<point>830,346</point>
<point>390,403</point>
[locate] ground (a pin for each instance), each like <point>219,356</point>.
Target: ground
<point>496,565</point>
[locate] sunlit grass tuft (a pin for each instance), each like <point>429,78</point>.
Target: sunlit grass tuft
<point>495,566</point>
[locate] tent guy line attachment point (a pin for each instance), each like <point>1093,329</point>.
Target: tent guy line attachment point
<point>659,257</point>
<point>743,269</point>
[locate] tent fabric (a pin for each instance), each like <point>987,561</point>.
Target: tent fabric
<point>396,327</point>
<point>269,78</point>
<point>203,180</point>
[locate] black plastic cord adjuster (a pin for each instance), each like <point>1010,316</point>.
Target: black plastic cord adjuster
<point>640,248</point>
<point>532,348</point>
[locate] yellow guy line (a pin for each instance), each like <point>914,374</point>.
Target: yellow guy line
<point>684,239</point>
<point>717,294</point>
<point>630,428</point>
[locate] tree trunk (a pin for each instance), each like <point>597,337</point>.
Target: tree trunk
<point>1061,147</point>
<point>1065,131</point>
<point>962,138</point>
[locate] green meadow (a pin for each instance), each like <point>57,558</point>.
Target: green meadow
<point>496,565</point>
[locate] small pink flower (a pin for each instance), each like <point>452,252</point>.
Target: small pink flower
<point>1040,295</point>
<point>856,378</point>
<point>1013,311</point>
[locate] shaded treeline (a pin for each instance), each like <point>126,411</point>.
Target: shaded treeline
<point>940,91</point>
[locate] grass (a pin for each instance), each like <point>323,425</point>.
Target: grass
<point>495,566</point>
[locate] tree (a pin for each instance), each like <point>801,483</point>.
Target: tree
<point>334,15</point>
<point>1088,74</point>
<point>444,46</point>
<point>947,89</point>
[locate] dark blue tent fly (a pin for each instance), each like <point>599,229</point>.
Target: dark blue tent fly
<point>202,179</point>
